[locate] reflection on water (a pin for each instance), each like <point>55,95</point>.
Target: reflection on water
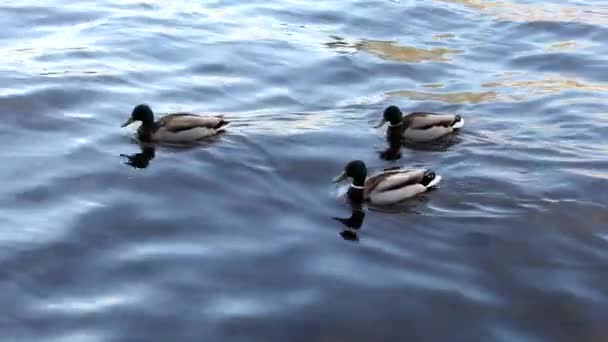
<point>352,223</point>
<point>433,86</point>
<point>547,85</point>
<point>393,51</point>
<point>505,88</point>
<point>393,150</point>
<point>565,46</point>
<point>442,36</point>
<point>442,144</point>
<point>142,159</point>
<point>515,11</point>
<point>454,97</point>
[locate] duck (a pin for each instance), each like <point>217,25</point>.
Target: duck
<point>387,187</point>
<point>419,126</point>
<point>176,127</point>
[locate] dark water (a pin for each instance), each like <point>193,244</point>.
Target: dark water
<point>234,240</point>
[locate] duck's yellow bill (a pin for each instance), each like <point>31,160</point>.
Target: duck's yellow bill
<point>340,177</point>
<point>380,124</point>
<point>127,123</point>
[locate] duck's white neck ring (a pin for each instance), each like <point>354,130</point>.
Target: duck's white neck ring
<point>397,125</point>
<point>358,187</point>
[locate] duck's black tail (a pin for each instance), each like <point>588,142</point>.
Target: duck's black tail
<point>430,179</point>
<point>222,124</point>
<point>458,121</point>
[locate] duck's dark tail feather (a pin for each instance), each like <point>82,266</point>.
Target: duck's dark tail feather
<point>458,122</point>
<point>430,179</point>
<point>222,124</point>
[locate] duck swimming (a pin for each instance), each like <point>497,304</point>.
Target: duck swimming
<point>174,128</point>
<point>419,126</point>
<point>387,187</point>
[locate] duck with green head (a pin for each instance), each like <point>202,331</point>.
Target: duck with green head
<point>388,186</point>
<point>419,126</point>
<point>176,127</point>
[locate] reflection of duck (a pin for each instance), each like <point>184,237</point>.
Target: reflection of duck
<point>353,223</point>
<point>176,128</point>
<point>387,187</point>
<point>419,126</point>
<point>140,160</point>
<point>393,152</point>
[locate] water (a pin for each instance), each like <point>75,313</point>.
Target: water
<point>235,239</point>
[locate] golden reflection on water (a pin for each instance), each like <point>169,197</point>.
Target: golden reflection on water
<point>512,11</point>
<point>392,51</point>
<point>507,89</point>
<point>453,97</point>
<point>443,36</point>
<point>548,85</point>
<point>565,46</point>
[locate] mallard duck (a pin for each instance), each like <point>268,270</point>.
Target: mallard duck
<point>419,126</point>
<point>177,127</point>
<point>387,187</point>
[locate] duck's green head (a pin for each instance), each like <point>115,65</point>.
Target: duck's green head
<point>356,170</point>
<point>141,113</point>
<point>391,114</point>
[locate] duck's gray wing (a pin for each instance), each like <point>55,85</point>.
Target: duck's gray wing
<point>393,179</point>
<point>424,120</point>
<point>183,121</point>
